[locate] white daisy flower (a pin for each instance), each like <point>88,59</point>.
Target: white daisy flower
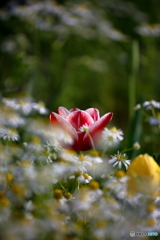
<point>93,156</point>
<point>147,29</point>
<point>53,145</point>
<point>68,155</point>
<point>8,117</point>
<point>84,128</point>
<point>23,104</point>
<point>14,120</point>
<point>84,161</point>
<point>151,104</point>
<point>12,103</point>
<point>9,134</point>
<point>25,107</point>
<point>119,160</point>
<point>111,137</point>
<point>154,121</point>
<point>84,178</point>
<point>40,107</point>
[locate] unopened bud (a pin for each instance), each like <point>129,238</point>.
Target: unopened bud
<point>136,146</point>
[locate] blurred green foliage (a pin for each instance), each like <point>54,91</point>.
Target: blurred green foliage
<point>82,54</point>
<point>103,54</point>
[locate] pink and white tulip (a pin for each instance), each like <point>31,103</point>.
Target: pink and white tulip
<point>84,127</point>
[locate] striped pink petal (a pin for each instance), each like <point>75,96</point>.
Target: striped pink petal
<point>79,118</point>
<point>78,145</point>
<point>74,109</point>
<point>63,112</point>
<point>95,130</point>
<point>94,113</point>
<point>60,122</point>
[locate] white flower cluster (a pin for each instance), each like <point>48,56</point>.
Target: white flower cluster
<point>25,105</point>
<point>151,104</point>
<point>47,192</point>
<point>111,137</point>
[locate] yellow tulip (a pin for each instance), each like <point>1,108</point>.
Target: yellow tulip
<point>144,176</point>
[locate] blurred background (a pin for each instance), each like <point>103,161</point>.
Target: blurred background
<point>103,54</point>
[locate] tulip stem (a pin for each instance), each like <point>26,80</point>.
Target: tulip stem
<point>93,146</point>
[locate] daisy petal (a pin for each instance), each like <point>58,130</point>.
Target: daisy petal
<point>120,164</point>
<point>94,113</point>
<point>125,164</point>
<point>79,118</point>
<point>63,112</point>
<point>115,164</point>
<point>112,160</point>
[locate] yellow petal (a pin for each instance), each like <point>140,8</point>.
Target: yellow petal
<point>144,175</point>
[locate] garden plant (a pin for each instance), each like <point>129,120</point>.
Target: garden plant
<point>79,120</point>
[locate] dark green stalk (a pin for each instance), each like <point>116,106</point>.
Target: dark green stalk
<point>132,77</point>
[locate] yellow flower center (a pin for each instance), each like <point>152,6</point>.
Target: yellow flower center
<point>110,138</point>
<point>21,102</point>
<point>150,208</point>
<point>36,140</point>
<point>94,185</point>
<point>151,222</point>
<point>101,224</point>
<point>94,153</point>
<point>82,158</point>
<point>68,195</point>
<point>46,153</point>
<point>120,174</point>
<point>158,115</point>
<point>58,194</point>
<point>69,151</point>
<point>120,157</point>
<point>9,176</point>
<point>41,104</point>
<point>3,200</point>
<point>114,130</point>
<point>86,176</point>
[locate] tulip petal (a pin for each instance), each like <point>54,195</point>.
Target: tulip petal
<point>94,113</point>
<point>63,112</point>
<point>59,122</point>
<point>74,109</point>
<point>79,118</point>
<point>78,145</point>
<point>95,130</point>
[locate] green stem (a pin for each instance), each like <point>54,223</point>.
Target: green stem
<point>153,112</point>
<point>146,115</point>
<point>154,115</point>
<point>132,78</point>
<point>36,48</point>
<point>103,152</point>
<point>127,150</point>
<point>93,146</point>
<point>77,185</point>
<point>62,186</point>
